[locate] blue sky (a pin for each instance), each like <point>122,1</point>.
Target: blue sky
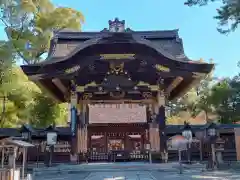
<point>196,26</point>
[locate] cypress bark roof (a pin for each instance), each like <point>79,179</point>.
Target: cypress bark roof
<point>64,44</point>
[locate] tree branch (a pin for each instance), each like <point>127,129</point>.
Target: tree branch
<point>18,37</point>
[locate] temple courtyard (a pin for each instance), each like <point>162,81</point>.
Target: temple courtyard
<point>132,171</point>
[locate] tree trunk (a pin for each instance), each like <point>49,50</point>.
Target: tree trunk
<point>207,119</point>
<point>3,112</point>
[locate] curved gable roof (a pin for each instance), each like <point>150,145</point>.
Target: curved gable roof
<point>64,51</point>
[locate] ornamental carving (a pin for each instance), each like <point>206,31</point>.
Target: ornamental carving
<point>162,68</point>
<point>116,68</point>
<point>147,95</point>
<point>116,25</point>
<point>117,95</point>
<point>72,69</point>
<point>74,99</point>
<point>87,96</point>
<point>91,67</point>
<point>143,63</point>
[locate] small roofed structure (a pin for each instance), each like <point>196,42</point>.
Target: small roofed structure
<point>14,144</point>
<point>19,143</point>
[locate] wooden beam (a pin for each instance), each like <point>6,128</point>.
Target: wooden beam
<point>121,101</point>
<point>174,84</point>
<point>60,85</point>
<point>43,88</point>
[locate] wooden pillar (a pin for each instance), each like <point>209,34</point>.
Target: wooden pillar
<point>154,131</point>
<point>82,130</point>
<point>85,130</point>
<point>161,104</point>
<point>79,132</point>
<point>162,124</point>
<point>154,136</point>
<point>237,142</point>
<point>147,139</point>
<point>142,141</point>
<point>106,141</point>
<point>149,132</point>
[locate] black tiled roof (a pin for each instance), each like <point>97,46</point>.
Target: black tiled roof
<point>171,129</point>
<point>64,130</point>
<point>9,132</point>
<point>27,127</point>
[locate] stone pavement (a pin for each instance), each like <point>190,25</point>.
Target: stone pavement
<point>132,171</point>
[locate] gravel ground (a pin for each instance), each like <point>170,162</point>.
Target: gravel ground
<point>170,172</point>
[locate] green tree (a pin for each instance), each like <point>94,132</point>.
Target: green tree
<point>190,102</point>
<point>221,99</point>
<point>30,24</point>
<point>14,95</point>
<point>24,103</point>
<point>228,105</point>
<point>228,13</point>
<point>204,102</point>
<point>186,103</point>
<point>46,112</point>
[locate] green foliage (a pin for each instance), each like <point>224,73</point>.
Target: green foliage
<point>22,102</point>
<point>186,103</point>
<point>221,99</point>
<point>44,111</point>
<point>228,13</point>
<point>204,91</point>
<point>229,106</point>
<point>175,120</point>
<point>13,97</point>
<point>29,25</point>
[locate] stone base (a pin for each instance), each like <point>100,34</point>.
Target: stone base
<point>219,157</point>
<point>164,157</point>
<point>73,157</point>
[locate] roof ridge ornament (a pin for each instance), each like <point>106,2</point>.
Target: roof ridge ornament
<point>116,25</point>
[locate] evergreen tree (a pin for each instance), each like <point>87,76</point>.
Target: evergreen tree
<point>227,14</point>
<point>30,26</point>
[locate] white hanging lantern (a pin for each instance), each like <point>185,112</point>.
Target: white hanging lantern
<point>51,138</point>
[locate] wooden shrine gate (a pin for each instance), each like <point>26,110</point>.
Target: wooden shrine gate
<point>125,140</point>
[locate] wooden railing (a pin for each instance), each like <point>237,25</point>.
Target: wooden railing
<point>104,156</point>
<point>6,174</point>
<point>139,155</point>
<point>98,156</point>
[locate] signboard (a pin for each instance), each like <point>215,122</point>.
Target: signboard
<point>51,138</point>
<point>117,113</point>
<point>117,56</point>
